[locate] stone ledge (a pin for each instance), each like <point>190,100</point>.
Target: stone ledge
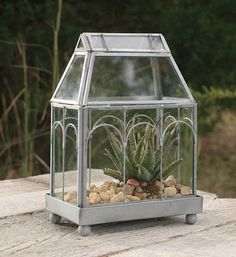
<point>27,232</point>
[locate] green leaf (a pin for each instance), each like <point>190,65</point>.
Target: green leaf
<point>114,160</point>
<point>116,147</point>
<point>172,165</point>
<point>144,174</point>
<point>149,160</point>
<point>113,173</point>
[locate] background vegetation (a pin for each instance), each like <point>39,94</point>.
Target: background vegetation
<point>37,39</point>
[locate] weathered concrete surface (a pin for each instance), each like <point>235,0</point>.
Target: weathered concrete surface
<point>32,234</point>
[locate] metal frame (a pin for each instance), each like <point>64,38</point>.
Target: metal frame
<point>123,212</point>
<point>82,214</point>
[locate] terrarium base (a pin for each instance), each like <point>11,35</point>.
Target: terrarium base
<point>55,219</point>
<point>84,230</point>
<point>191,219</point>
<point>122,212</point>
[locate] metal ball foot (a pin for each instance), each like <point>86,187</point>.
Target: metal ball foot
<point>191,219</point>
<point>55,219</point>
<point>84,230</point>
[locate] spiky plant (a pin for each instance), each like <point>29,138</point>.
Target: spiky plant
<point>143,153</point>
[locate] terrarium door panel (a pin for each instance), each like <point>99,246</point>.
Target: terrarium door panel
<point>138,154</point>
<point>64,159</point>
<point>103,126</point>
<point>179,152</point>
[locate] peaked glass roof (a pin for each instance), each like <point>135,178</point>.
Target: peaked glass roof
<point>121,69</point>
<point>122,42</point>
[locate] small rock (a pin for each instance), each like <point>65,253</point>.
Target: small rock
<point>118,197</point>
<point>70,196</point>
<point>105,196</point>
<point>112,189</point>
<point>178,195</point>
<point>141,195</point>
<point>138,189</point>
<point>170,191</point>
<point>109,183</point>
<point>133,182</point>
<point>159,186</point>
<point>170,181</point>
<point>133,198</point>
<point>151,187</point>
<point>73,201</point>
<point>155,197</point>
<point>178,186</point>
<point>121,184</point>
<point>185,190</point>
<point>94,198</point>
<point>129,189</point>
<point>111,193</point>
<point>144,184</point>
<point>95,189</point>
<point>118,190</point>
<point>144,196</point>
<point>103,188</point>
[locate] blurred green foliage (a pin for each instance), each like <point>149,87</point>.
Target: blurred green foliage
<point>201,35</point>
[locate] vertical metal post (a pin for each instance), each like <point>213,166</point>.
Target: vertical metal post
<point>90,148</point>
<point>82,176</point>
<point>161,144</point>
<point>84,153</point>
<point>63,152</point>
<point>178,146</point>
<point>52,153</point>
<point>158,118</point>
<point>77,151</point>
<point>124,151</point>
<point>194,119</point>
<point>80,154</point>
<point>157,92</point>
<point>78,158</point>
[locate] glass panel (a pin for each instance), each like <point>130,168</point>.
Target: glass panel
<point>177,154</point>
<point>143,181</point>
<point>105,168</point>
<point>170,82</point>
<point>186,152</point>
<point>64,155</point>
<point>70,175</point>
<point>127,42</point>
<point>69,88</point>
<point>57,154</point>
<point>80,45</point>
<point>138,155</point>
<point>134,78</point>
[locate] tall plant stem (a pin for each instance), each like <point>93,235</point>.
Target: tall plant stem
<point>27,169</point>
<point>56,29</point>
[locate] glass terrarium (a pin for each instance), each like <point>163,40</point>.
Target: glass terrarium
<point>123,134</point>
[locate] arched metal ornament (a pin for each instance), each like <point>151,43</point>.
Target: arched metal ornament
<point>117,88</point>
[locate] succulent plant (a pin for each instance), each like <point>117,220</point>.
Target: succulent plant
<point>143,152</point>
